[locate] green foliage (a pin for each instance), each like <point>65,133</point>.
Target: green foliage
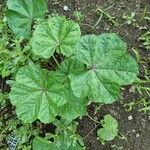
<point>12,59</point>
<point>3,98</point>
<point>35,94</point>
<point>76,106</point>
<point>129,18</point>
<point>145,38</point>
<point>22,13</point>
<point>22,133</point>
<point>64,139</point>
<point>12,54</point>
<point>142,88</point>
<point>55,34</point>
<point>79,17</point>
<point>108,66</point>
<point>109,130</point>
<point>93,69</point>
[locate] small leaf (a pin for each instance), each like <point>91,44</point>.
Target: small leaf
<point>35,95</point>
<point>108,67</point>
<point>55,34</point>
<point>109,130</point>
<point>22,13</point>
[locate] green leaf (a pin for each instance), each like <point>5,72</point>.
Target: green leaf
<point>55,34</point>
<point>35,95</point>
<point>22,13</point>
<point>109,130</point>
<point>108,67</point>
<point>63,141</point>
<point>75,106</point>
<point>66,68</point>
<point>40,143</point>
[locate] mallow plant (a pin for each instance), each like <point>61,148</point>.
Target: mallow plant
<point>93,69</point>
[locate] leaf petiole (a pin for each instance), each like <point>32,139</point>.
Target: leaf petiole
<point>55,60</point>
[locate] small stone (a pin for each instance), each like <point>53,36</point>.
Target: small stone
<point>130,117</point>
<point>137,135</point>
<point>66,8</point>
<point>133,130</point>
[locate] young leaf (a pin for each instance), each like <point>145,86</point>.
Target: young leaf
<point>55,34</point>
<point>63,141</point>
<point>108,67</point>
<point>109,130</point>
<point>22,13</point>
<point>74,107</point>
<point>35,95</point>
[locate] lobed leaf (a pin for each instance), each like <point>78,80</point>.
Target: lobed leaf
<point>35,95</point>
<point>55,34</point>
<point>108,67</point>
<point>109,130</point>
<point>22,13</point>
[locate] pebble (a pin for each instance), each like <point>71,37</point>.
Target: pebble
<point>133,130</point>
<point>66,8</point>
<point>137,135</point>
<point>130,117</point>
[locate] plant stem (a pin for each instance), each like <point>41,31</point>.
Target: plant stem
<point>108,16</point>
<point>91,131</point>
<point>55,60</point>
<point>93,119</point>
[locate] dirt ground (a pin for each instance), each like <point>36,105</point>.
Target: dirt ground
<point>134,134</point>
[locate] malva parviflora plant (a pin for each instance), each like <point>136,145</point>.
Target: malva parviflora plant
<point>93,70</point>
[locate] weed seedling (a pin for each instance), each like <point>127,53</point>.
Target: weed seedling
<point>129,18</point>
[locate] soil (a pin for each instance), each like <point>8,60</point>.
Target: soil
<point>134,134</point>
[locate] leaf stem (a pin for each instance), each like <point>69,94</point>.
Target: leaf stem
<point>93,119</point>
<point>55,60</point>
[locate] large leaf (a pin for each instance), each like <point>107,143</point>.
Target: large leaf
<point>22,13</point>
<point>74,107</point>
<point>108,67</point>
<point>55,34</point>
<point>35,94</point>
<point>63,141</point>
<point>109,130</point>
